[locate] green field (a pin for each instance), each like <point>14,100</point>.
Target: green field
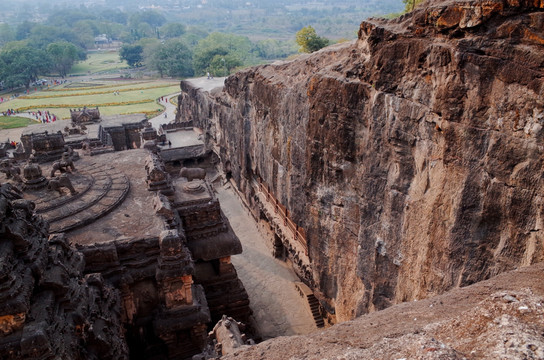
<point>10,122</point>
<point>99,62</point>
<point>134,97</point>
<point>104,87</point>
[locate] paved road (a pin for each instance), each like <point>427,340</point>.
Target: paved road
<point>169,111</point>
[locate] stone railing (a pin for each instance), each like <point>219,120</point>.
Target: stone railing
<point>298,232</point>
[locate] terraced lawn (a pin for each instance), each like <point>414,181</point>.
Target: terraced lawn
<point>107,61</point>
<point>10,122</point>
<point>133,97</point>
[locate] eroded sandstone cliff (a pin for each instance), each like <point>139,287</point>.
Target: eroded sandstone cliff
<point>412,156</point>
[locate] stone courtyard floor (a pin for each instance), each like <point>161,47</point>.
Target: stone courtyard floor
<point>278,309</point>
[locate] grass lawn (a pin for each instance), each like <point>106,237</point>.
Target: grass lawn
<point>105,87</point>
<point>99,62</point>
<point>133,97</point>
<point>10,122</point>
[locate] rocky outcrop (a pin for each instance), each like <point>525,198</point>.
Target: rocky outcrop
<point>500,318</point>
<point>49,309</point>
<point>412,157</point>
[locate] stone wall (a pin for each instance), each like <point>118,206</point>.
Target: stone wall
<point>46,147</point>
<point>412,156</point>
<point>122,137</point>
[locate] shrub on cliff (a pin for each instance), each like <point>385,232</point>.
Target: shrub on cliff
<point>309,41</point>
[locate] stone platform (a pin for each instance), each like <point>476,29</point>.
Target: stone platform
<point>101,188</point>
<point>133,218</point>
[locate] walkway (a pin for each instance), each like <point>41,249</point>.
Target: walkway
<point>170,109</point>
<point>278,309</point>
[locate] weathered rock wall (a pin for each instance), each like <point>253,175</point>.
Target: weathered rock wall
<point>48,308</point>
<point>412,156</point>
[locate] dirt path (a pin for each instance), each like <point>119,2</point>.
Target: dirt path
<point>277,307</point>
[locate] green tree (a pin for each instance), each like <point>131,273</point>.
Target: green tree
<point>173,58</point>
<point>275,49</point>
<point>111,29</point>
<point>63,56</point>
<point>151,47</point>
<point>68,17</point>
<point>91,27</point>
<point>222,65</point>
<point>23,30</point>
<point>115,16</point>
<point>233,49</point>
<point>308,40</point>
<point>132,54</point>
<point>410,5</point>
<point>22,64</point>
<point>85,32</point>
<point>193,35</point>
<point>6,34</point>
<point>153,18</point>
<point>172,30</point>
<point>43,35</point>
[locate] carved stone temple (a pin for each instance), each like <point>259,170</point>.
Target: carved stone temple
<point>132,262</point>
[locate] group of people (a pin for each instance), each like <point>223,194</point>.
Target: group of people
<point>44,116</point>
<point>10,112</point>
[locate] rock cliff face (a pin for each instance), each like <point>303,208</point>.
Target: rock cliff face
<point>412,156</point>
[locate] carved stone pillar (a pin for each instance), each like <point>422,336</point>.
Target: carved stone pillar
<point>174,274</point>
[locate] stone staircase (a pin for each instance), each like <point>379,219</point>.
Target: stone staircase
<point>100,190</point>
<point>313,303</point>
